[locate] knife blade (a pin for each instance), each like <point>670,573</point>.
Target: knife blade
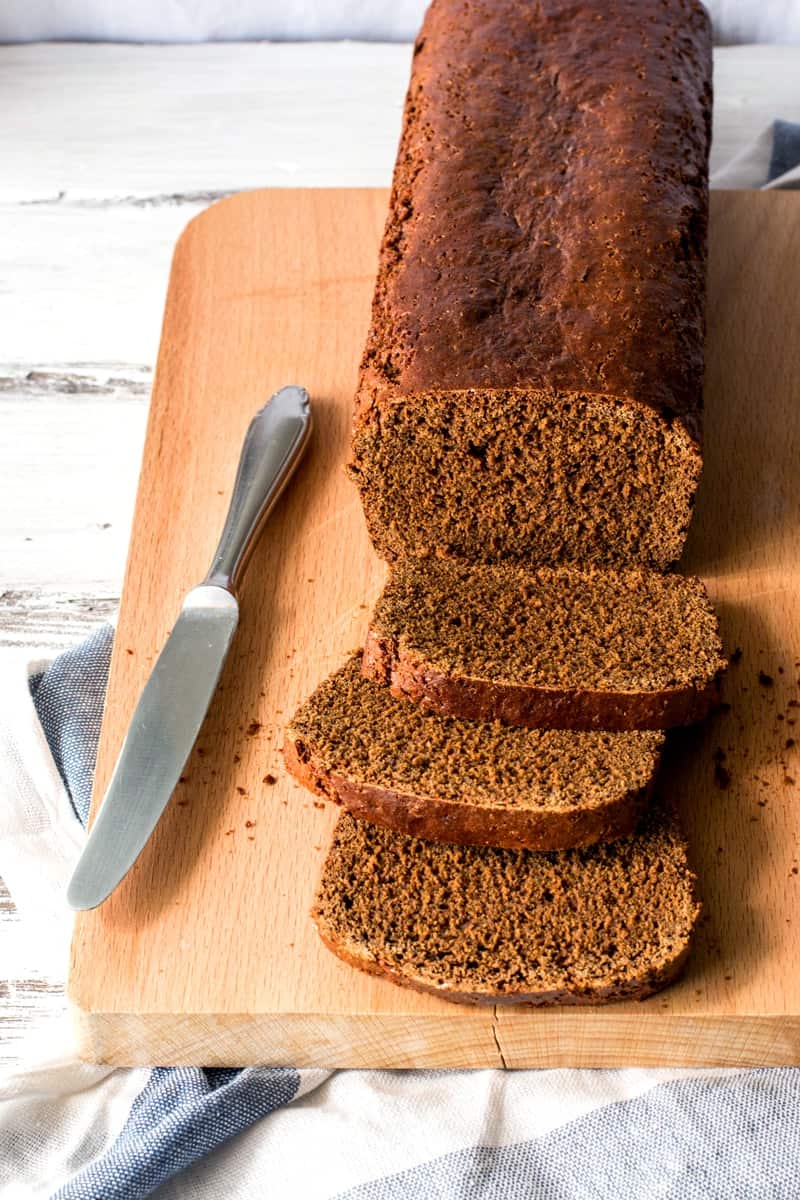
<point>176,697</point>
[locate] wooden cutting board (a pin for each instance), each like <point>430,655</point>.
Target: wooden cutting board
<point>206,954</point>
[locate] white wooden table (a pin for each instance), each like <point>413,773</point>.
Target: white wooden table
<point>106,152</point>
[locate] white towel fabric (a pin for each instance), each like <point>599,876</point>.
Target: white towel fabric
<point>307,20</point>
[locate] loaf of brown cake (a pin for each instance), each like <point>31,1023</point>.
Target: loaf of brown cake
<point>491,926</point>
<point>465,781</point>
<point>557,648</point>
<point>531,384</point>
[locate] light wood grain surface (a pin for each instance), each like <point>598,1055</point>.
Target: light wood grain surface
<point>107,151</point>
<point>206,953</point>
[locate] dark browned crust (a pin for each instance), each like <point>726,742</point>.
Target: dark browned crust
<point>634,989</point>
<point>506,199</point>
<point>440,820</point>
<point>531,706</point>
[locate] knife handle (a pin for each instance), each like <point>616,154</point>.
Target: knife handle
<point>273,445</point>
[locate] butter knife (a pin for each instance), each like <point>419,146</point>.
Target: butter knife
<point>170,710</point>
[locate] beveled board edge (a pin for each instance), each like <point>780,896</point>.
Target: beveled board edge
<point>472,1038</point>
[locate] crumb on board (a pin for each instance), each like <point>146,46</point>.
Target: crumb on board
<point>249,824</point>
<point>128,650</point>
<point>228,832</point>
<point>722,776</point>
<point>269,778</point>
<point>183,779</point>
<point>253,728</point>
<point>736,657</point>
<point>242,791</point>
<point>251,838</point>
<point>765,680</point>
<point>237,758</point>
<point>200,750</point>
<point>181,803</point>
<point>789,743</point>
<point>318,804</point>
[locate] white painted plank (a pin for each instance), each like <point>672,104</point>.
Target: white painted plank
<point>30,1002</point>
<point>85,284</point>
<point>48,619</point>
<point>68,475</point>
<point>111,121</point>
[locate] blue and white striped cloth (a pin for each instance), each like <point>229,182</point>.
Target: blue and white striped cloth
<point>72,1131</point>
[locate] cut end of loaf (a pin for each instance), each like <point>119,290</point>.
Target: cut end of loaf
<point>526,476</point>
<point>482,925</point>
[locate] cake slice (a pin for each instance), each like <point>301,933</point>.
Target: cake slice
<point>559,647</point>
<point>464,781</point>
<point>482,925</point>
